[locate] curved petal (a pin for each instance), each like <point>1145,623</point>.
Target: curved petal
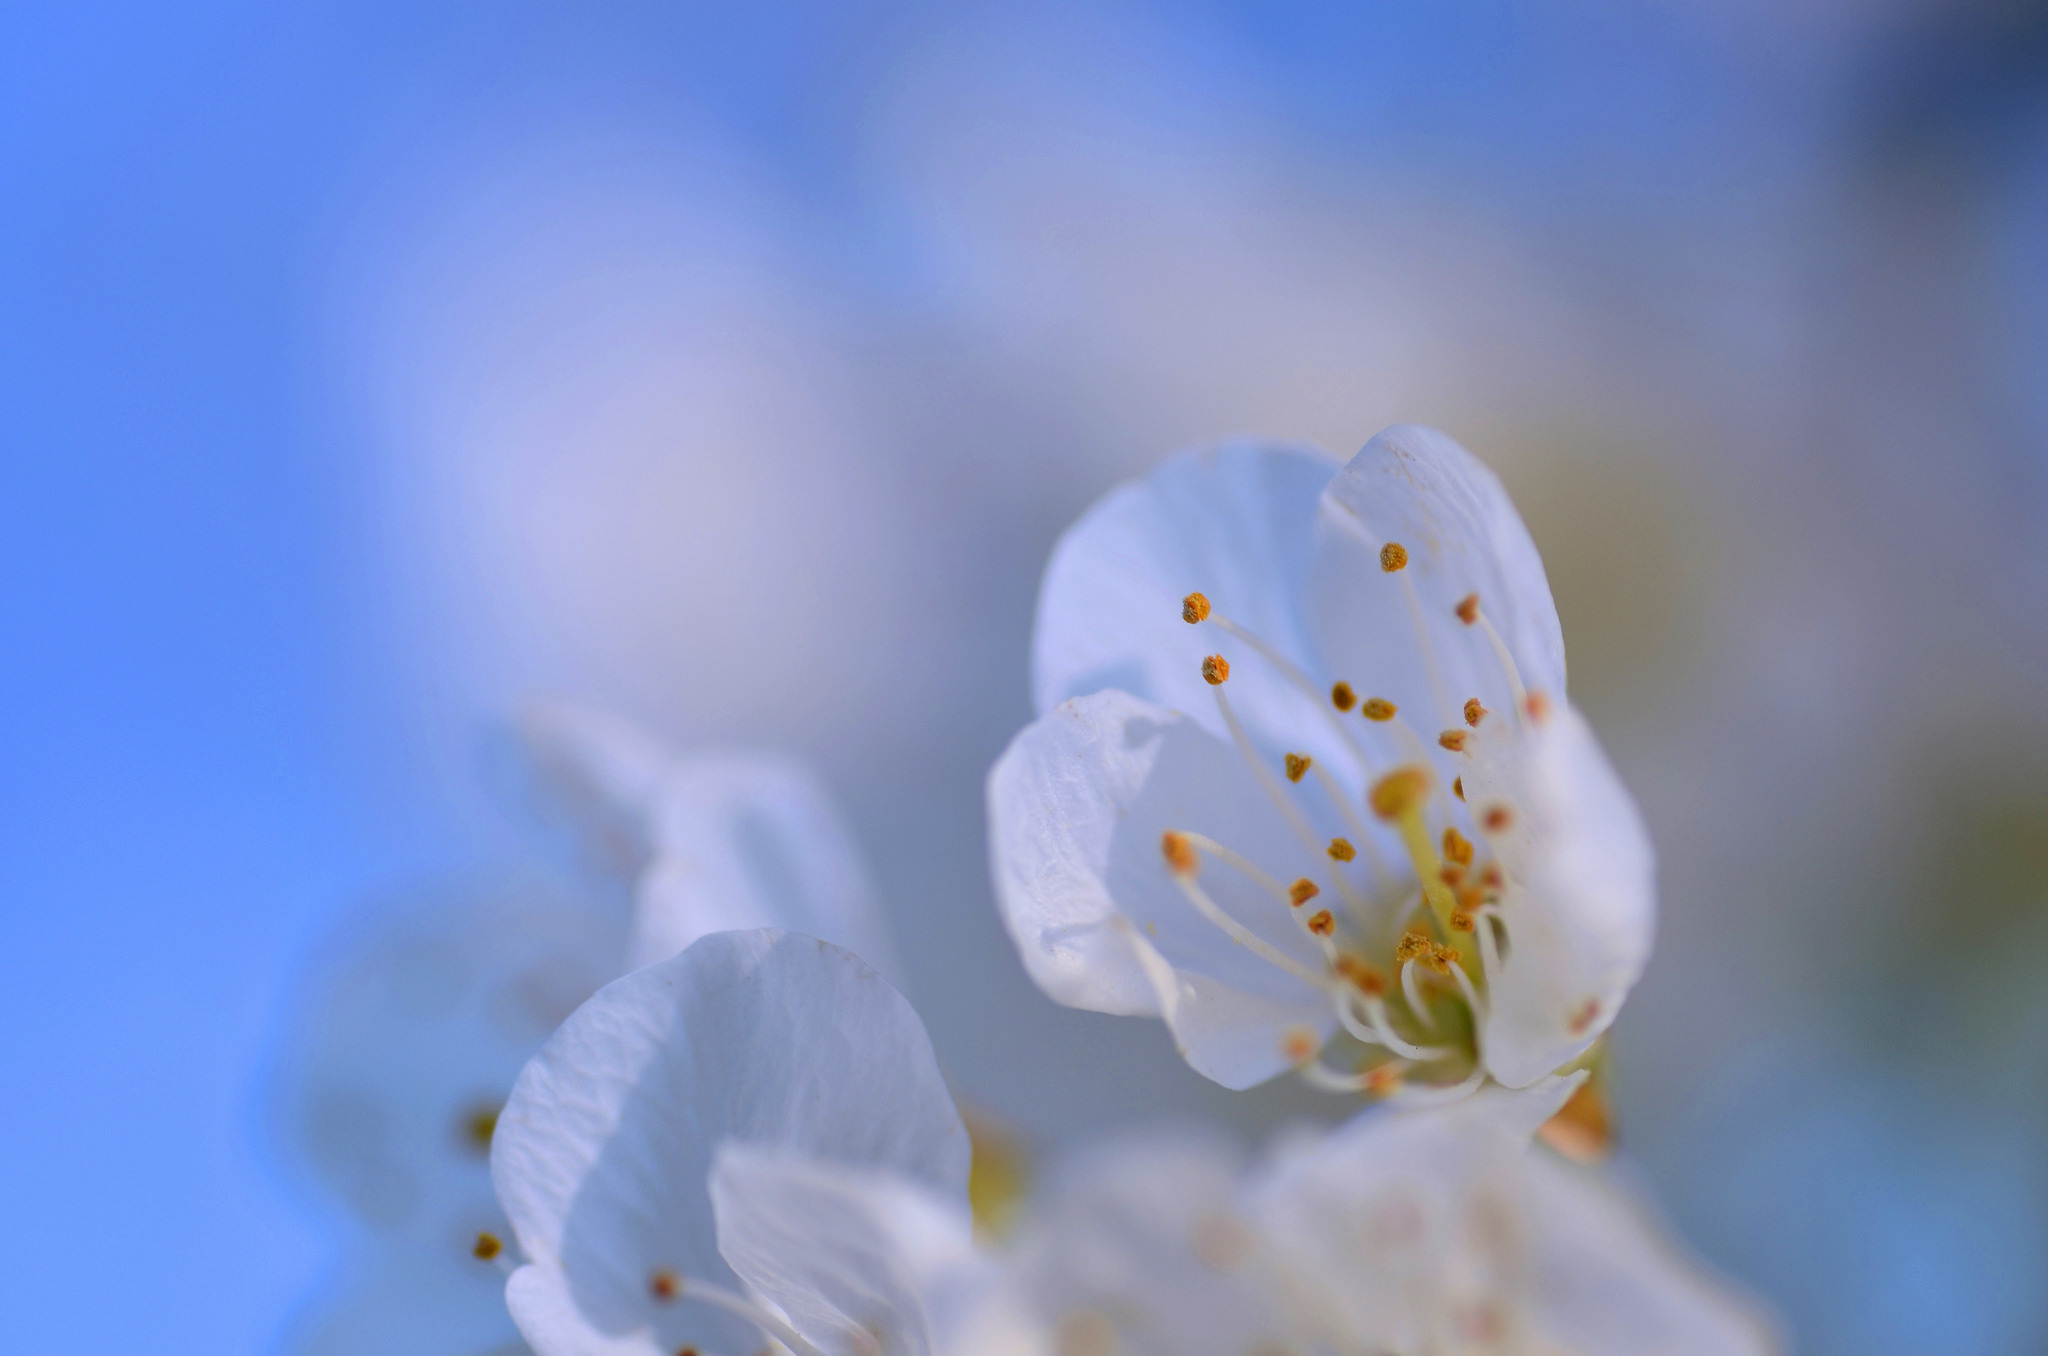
<point>1078,805</point>
<point>747,841</point>
<point>1581,902</point>
<point>1610,1283</point>
<point>602,1154</point>
<point>848,1255</point>
<point>1417,487</point>
<point>1234,523</point>
<point>600,771</point>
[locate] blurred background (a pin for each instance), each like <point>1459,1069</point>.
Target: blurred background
<point>367,368</point>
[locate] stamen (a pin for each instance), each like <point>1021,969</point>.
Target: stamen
<point>1297,766</point>
<point>1339,695</point>
<point>1500,652</point>
<point>1402,796</point>
<point>1323,924</point>
<point>1384,1080</point>
<point>1359,833</point>
<point>1474,712</point>
<point>1413,946</point>
<point>1299,1045</point>
<point>1302,891</point>
<point>1457,847</point>
<point>1445,959</point>
<point>1382,1032</point>
<point>1588,1013</point>
<point>1458,787</point>
<point>1378,708</point>
<point>1454,740</point>
<point>1468,608</point>
<point>1341,850</point>
<point>668,1287</point>
<point>1421,1098</point>
<point>1411,989</point>
<point>1427,647</point>
<point>1460,922</point>
<point>1216,670</point>
<point>1393,557</point>
<point>1361,976</point>
<point>488,1246</point>
<point>1538,707</point>
<point>1496,818</point>
<point>1342,697</point>
<point>1194,608</point>
<point>1180,853</point>
<point>1489,947</point>
<point>1288,810</point>
<point>1244,936</point>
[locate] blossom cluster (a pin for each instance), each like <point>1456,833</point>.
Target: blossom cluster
<point>1306,786</point>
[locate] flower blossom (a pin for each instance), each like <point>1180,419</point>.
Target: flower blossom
<point>1305,782</point>
<point>765,1052</point>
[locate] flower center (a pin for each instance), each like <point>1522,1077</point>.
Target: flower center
<point>1436,927</point>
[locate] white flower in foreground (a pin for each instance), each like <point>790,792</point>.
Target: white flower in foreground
<point>708,843</point>
<point>1425,1233</point>
<point>603,1155</point>
<point>1304,765</point>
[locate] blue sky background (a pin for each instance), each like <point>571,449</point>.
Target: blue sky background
<point>237,709</point>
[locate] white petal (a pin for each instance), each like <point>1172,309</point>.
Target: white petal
<point>1234,523</point>
<point>600,771</point>
<point>748,841</point>
<point>1610,1283</point>
<point>1077,807</point>
<point>1372,1223</point>
<point>1581,904</point>
<point>1144,1237</point>
<point>848,1255</point>
<point>1418,487</point>
<point>602,1154</point>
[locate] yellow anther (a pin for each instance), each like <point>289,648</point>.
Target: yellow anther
<point>1452,875</point>
<point>1194,608</point>
<point>1341,850</point>
<point>1457,847</point>
<point>1460,922</point>
<point>1299,1045</point>
<point>1413,946</point>
<point>1496,818</point>
<point>1538,707</point>
<point>1393,557</point>
<point>1490,878</point>
<point>1216,669</point>
<point>1402,791</point>
<point>1181,858</point>
<point>1587,1014</point>
<point>1297,766</point>
<point>1323,923</point>
<point>1342,697</point>
<point>1302,891</point>
<point>1361,976</point>
<point>1383,1080</point>
<point>1474,712</point>
<point>1442,958</point>
<point>478,1125</point>
<point>1458,787</point>
<point>488,1246</point>
<point>1378,708</point>
<point>1468,608</point>
<point>665,1285</point>
<point>1454,740</point>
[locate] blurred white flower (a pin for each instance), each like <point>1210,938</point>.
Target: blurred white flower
<point>604,1154</point>
<point>1350,795</point>
<point>1420,1232</point>
<point>707,843</point>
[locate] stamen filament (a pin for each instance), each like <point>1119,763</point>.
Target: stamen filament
<point>1241,864</point>
<point>1383,1033</point>
<point>1288,809</point>
<point>1489,948</point>
<point>1412,991</point>
<point>771,1324</point>
<point>1300,682</point>
<point>1243,935</point>
<point>1361,833</point>
<point>1447,708</point>
<point>1507,664</point>
<point>1440,1097</point>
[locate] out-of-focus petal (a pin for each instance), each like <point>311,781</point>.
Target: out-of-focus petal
<point>1581,903</point>
<point>603,1153</point>
<point>1234,523</point>
<point>1609,1281</point>
<point>1078,806</point>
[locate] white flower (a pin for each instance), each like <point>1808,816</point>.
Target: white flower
<point>603,1155</point>
<point>1420,1233</point>
<point>708,843</point>
<point>1304,764</point>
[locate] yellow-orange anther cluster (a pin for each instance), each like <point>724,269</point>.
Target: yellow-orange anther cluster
<point>1181,858</point>
<point>665,1285</point>
<point>1454,740</point>
<point>1474,712</point>
<point>1341,850</point>
<point>1378,708</point>
<point>1323,923</point>
<point>1216,669</point>
<point>1297,766</point>
<point>1194,608</point>
<point>1468,608</point>
<point>488,1246</point>
<point>1302,891</point>
<point>1393,557</point>
<point>1496,818</point>
<point>1342,697</point>
<point>1457,847</point>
